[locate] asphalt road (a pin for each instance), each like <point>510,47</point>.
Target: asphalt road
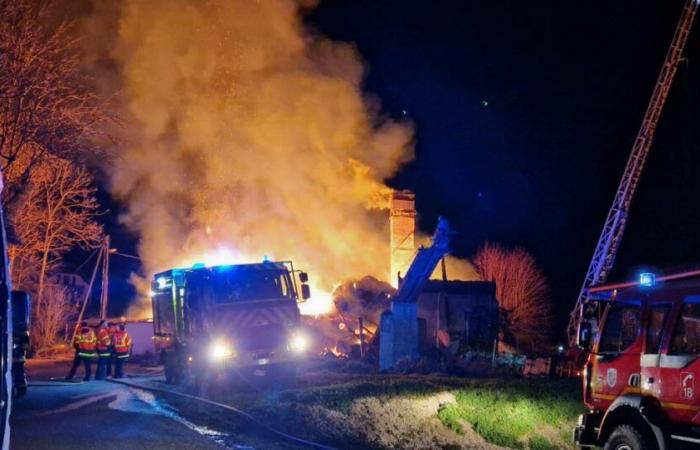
<point>103,415</point>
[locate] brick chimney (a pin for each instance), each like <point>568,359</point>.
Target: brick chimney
<point>402,225</point>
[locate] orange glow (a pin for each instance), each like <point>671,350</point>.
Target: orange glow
<point>320,304</point>
<point>253,133</point>
<point>221,256</point>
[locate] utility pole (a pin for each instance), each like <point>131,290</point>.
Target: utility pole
<point>88,292</point>
<point>104,296</point>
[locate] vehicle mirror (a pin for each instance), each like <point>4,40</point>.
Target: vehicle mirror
<point>584,335</point>
<point>303,277</point>
<point>20,310</point>
<point>305,292</point>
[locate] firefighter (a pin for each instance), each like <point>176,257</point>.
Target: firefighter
<point>122,346</point>
<point>85,344</point>
<point>104,350</point>
<point>112,327</point>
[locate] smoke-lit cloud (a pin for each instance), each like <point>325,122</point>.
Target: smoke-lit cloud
<point>246,132</point>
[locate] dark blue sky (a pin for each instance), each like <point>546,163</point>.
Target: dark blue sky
<point>525,114</point>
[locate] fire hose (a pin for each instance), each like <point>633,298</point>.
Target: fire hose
<point>226,407</point>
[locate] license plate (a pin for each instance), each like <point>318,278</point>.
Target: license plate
<point>263,361</point>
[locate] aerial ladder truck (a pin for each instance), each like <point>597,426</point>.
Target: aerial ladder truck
<point>609,242</point>
<point>642,341</point>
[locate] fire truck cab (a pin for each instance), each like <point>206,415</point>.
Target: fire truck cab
<point>642,375</point>
<point>213,321</point>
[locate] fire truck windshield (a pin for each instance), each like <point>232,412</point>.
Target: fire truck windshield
<point>620,328</point>
<point>250,284</point>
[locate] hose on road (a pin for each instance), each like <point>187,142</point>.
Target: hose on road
<point>228,408</point>
<point>54,382</point>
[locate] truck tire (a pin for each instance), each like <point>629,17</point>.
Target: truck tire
<point>173,372</point>
<point>626,437</point>
<point>169,373</point>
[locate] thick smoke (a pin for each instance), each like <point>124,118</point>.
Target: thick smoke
<point>246,132</point>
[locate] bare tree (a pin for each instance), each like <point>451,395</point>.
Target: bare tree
<point>23,265</point>
<point>521,289</point>
<point>49,314</point>
<point>57,213</point>
<point>45,106</point>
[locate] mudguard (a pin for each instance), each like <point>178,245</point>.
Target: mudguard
<point>631,407</point>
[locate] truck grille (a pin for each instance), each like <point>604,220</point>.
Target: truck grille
<point>261,339</point>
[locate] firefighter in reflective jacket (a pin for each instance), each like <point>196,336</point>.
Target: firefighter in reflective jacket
<point>112,327</point>
<point>85,344</point>
<point>104,350</point>
<point>122,346</point>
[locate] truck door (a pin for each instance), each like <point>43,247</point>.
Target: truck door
<point>679,368</point>
<point>615,363</point>
<point>656,323</point>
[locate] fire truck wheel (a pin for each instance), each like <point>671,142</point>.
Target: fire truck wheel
<point>626,437</point>
<point>169,374</point>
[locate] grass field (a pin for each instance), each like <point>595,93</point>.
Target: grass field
<point>537,414</point>
<point>416,411</point>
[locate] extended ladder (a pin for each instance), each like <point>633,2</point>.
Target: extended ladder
<point>609,241</point>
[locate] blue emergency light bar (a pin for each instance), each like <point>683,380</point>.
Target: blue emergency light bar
<point>647,279</point>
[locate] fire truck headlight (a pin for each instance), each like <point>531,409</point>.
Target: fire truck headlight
<point>219,351</point>
<point>298,343</point>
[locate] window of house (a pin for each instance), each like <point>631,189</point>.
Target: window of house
<point>686,336</point>
<point>655,328</point>
<point>621,327</point>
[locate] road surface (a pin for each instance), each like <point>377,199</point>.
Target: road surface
<point>104,415</point>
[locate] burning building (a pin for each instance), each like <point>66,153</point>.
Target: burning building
<point>459,315</point>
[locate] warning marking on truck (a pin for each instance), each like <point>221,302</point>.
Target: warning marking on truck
<point>611,377</point>
<point>687,383</point>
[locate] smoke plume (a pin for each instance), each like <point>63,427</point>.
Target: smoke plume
<point>249,135</point>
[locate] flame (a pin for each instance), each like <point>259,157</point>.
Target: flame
<point>336,351</point>
<point>243,127</point>
<point>222,256</point>
<point>320,303</point>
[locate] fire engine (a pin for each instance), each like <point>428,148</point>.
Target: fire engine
<point>230,319</point>
<point>5,336</point>
<point>639,380</point>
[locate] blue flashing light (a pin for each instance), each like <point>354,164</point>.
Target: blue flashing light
<point>163,282</point>
<point>647,279</point>
<point>266,259</point>
<point>199,265</point>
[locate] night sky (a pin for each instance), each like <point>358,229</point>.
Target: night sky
<point>525,113</point>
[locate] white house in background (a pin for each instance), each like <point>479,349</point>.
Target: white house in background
<point>73,282</point>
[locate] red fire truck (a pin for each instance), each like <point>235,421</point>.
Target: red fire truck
<point>641,378</point>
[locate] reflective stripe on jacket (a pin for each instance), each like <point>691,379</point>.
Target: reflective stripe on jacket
<point>122,343</point>
<point>86,342</point>
<point>104,342</point>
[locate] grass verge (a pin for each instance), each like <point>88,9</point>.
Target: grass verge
<point>535,414</point>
